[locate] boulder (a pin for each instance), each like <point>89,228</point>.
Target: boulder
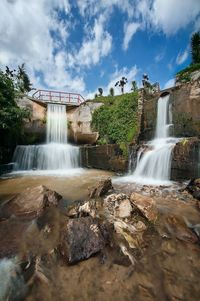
<point>146,206</point>
<point>101,188</point>
<point>84,238</point>
<point>118,205</point>
<point>174,226</point>
<point>30,203</point>
<point>194,188</point>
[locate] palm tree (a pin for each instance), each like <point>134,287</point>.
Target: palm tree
<point>195,46</point>
<point>121,83</point>
<point>100,91</point>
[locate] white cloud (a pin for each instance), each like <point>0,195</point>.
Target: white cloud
<point>94,7</point>
<point>170,83</point>
<point>182,57</point>
<point>159,57</point>
<point>25,36</point>
<point>169,15</point>
<point>97,45</point>
<point>129,30</point>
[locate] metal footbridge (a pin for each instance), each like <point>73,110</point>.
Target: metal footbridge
<point>58,97</point>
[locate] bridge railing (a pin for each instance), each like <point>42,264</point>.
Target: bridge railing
<point>58,97</point>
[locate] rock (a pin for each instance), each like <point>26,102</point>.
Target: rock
<point>83,239</point>
<point>133,234</point>
<point>124,209</point>
<point>146,206</point>
<point>194,188</point>
<point>118,205</point>
<point>101,188</point>
<point>30,203</point>
<point>174,226</point>
<point>11,235</point>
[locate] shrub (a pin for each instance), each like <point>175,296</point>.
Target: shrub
<point>116,121</point>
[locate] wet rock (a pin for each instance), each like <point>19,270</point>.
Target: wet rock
<point>174,226</point>
<point>30,203</point>
<point>101,188</point>
<point>83,239</point>
<point>118,205</point>
<point>91,208</point>
<point>194,188</point>
<point>132,233</point>
<point>12,286</point>
<point>146,206</point>
<point>11,234</point>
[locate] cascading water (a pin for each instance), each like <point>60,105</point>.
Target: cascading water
<point>56,154</point>
<point>154,161</point>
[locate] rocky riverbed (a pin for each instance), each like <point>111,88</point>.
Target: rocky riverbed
<point>122,242</point>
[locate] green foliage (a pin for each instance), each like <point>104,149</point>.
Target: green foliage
<point>134,87</point>
<point>195,48</point>
<point>112,92</point>
<point>124,148</point>
<point>116,121</point>
<point>11,116</point>
<point>185,74</point>
<point>19,79</point>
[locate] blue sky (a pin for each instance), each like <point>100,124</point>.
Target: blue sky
<point>81,45</point>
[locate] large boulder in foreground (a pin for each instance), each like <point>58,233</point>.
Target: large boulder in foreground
<point>84,237</point>
<point>30,222</point>
<point>30,203</point>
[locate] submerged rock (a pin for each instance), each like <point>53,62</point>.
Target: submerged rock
<point>31,222</point>
<point>30,203</point>
<point>84,237</point>
<point>146,206</point>
<point>101,188</point>
<point>174,226</point>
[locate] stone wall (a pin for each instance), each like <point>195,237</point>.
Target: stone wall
<point>185,100</point>
<point>79,122</point>
<point>186,159</point>
<point>108,157</point>
<point>35,126</point>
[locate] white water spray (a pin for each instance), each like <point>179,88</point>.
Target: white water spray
<point>154,161</point>
<point>57,154</point>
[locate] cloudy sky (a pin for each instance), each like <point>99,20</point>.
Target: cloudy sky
<point>80,45</point>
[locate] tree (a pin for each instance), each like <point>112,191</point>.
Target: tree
<point>195,47</point>
<point>100,91</point>
<point>121,83</point>
<point>112,92</point>
<point>11,116</point>
<point>23,82</point>
<point>134,86</point>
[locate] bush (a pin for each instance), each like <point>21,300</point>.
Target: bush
<point>116,121</point>
<point>185,74</point>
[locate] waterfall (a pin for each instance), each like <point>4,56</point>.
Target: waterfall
<point>56,124</point>
<point>154,161</point>
<point>56,154</point>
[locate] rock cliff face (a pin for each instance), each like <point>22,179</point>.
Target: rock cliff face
<point>185,100</point>
<point>35,127</point>
<point>79,123</point>
<point>108,157</point>
<point>186,159</point>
